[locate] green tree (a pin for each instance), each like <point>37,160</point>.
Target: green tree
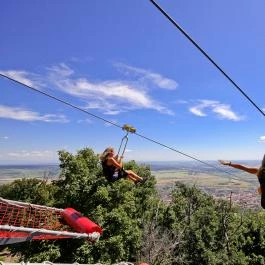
<point>252,237</point>
<point>117,207</point>
<point>208,230</point>
<point>31,190</point>
<point>193,228</point>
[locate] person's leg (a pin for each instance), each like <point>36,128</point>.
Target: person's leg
<point>130,175</point>
<point>133,176</point>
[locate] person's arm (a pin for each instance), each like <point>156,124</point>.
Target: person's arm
<point>251,170</point>
<point>117,158</point>
<point>114,162</point>
<point>120,158</point>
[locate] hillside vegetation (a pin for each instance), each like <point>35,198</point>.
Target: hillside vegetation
<point>138,226</point>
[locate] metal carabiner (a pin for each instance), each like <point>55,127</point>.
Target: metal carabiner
<point>123,144</point>
<point>124,141</point>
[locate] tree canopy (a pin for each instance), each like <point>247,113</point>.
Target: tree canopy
<point>137,224</point>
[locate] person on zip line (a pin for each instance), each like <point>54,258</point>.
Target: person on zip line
<point>113,167</point>
<point>258,171</point>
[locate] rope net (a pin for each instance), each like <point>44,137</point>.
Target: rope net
<point>29,216</point>
<point>23,221</point>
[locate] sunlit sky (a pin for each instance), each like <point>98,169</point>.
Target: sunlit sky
<point>123,61</point>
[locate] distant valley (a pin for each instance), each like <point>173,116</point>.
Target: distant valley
<point>221,182</point>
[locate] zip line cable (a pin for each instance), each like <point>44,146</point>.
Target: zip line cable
<point>207,56</point>
<point>189,156</point>
<point>112,123</point>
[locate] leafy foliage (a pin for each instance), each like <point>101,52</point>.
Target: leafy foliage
<point>118,207</point>
<point>137,224</point>
<point>30,190</point>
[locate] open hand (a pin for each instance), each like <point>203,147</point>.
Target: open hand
<point>225,163</point>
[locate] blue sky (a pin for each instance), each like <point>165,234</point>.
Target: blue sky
<point>123,61</point>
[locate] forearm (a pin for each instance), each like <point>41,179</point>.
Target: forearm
<point>120,160</point>
<point>116,163</point>
<point>250,170</point>
<point>119,164</point>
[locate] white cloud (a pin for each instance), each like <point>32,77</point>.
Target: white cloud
<point>225,112</point>
<point>111,97</point>
<point>112,112</point>
<point>24,77</point>
<point>61,70</point>
<point>222,110</point>
<point>3,139</point>
<point>128,150</point>
<point>197,111</point>
<point>181,101</point>
<point>46,154</point>
<point>81,60</point>
<point>17,113</point>
<point>88,121</point>
<point>157,79</point>
<point>262,139</point>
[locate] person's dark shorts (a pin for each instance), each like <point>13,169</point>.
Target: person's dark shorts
<point>121,173</point>
<point>261,178</point>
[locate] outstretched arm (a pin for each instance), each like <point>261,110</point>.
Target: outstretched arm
<point>251,170</point>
